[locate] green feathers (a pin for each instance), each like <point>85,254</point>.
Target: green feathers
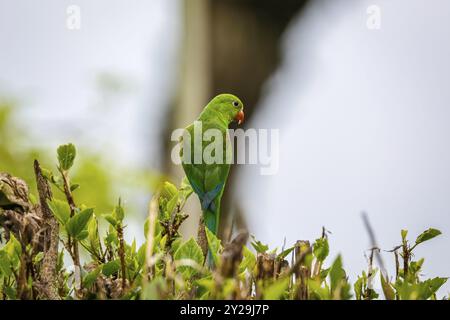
<point>206,154</point>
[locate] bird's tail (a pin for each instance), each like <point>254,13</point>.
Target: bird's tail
<point>211,220</point>
<point>210,207</point>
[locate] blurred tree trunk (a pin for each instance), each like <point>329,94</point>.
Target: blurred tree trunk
<point>229,46</point>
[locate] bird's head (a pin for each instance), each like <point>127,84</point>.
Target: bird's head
<point>229,107</point>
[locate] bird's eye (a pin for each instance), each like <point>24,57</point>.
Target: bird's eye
<point>236,104</point>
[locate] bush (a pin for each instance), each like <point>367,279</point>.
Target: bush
<point>36,231</point>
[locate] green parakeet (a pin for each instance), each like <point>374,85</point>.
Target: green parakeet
<point>208,179</point>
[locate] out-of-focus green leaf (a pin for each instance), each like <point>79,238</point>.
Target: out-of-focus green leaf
<point>38,257</point>
<point>340,288</point>
<point>337,273</point>
<point>5,264</point>
<point>91,277</point>
<point>388,291</point>
<point>259,246</point>
<point>276,290</point>
<point>110,218</point>
<point>118,213</point>
<point>358,287</point>
<point>110,268</point>
<point>152,290</point>
<point>168,191</point>
<point>285,253</point>
<point>321,249</point>
<point>14,249</point>
<point>248,261</point>
<point>192,251</point>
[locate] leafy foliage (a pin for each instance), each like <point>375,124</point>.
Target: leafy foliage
<point>165,266</point>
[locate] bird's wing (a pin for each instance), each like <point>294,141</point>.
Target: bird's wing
<point>194,172</point>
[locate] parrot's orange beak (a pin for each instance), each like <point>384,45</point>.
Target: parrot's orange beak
<point>240,117</point>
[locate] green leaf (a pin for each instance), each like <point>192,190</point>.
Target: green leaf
<point>82,235</point>
<point>141,254</point>
<point>14,249</point>
<point>111,219</point>
<point>404,233</point>
<point>171,205</point>
<point>152,290</point>
<point>10,256</point>
<point>259,246</point>
<point>336,273</point>
<point>213,245</point>
<point>321,249</point>
<point>162,243</point>
<point>5,264</point>
<point>176,244</point>
<point>48,174</point>
<point>118,213</point>
<point>93,234</point>
<point>78,223</point>
<point>74,187</point>
<point>323,274</point>
<point>248,261</point>
<point>38,257</point>
<point>276,290</point>
<point>168,191</point>
<point>10,292</point>
<point>388,291</point>
<point>318,290</point>
<point>33,199</point>
<point>66,156</point>
<point>415,266</point>
<point>60,209</point>
<point>111,268</point>
<point>111,238</point>
<point>285,253</point>
<point>192,251</point>
<point>427,235</point>
<point>436,283</point>
<point>91,277</point>
<point>358,287</point>
<point>207,283</point>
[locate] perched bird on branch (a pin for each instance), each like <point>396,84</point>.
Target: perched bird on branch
<point>207,162</point>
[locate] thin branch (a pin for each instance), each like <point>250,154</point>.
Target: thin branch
<point>373,243</point>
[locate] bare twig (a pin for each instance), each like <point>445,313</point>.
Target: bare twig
<point>373,243</point>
